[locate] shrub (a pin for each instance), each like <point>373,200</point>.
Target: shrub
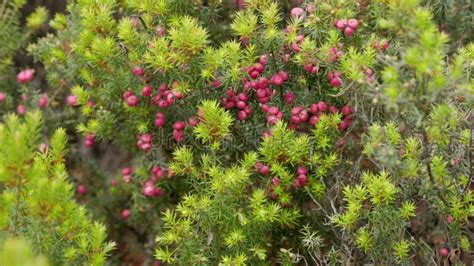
<point>335,133</point>
<point>36,198</point>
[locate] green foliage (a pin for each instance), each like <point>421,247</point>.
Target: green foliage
<point>214,124</point>
<point>37,199</point>
<point>18,253</point>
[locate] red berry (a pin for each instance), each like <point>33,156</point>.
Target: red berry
<point>283,75</point>
<point>263,60</point>
<point>43,101</point>
<point>314,120</point>
<point>276,80</point>
<point>242,115</point>
<point>265,170</point>
<point>254,74</point>
<point>273,110</point>
<point>313,108</point>
<point>335,82</point>
<point>349,31</point>
<point>127,94</point>
<point>340,24</point>
<point>289,98</point>
<point>71,100</point>
<point>138,71</point>
<point>179,125</point>
<point>159,122</point>
<point>241,104</point>
<point>3,96</point>
<point>216,83</point>
<point>125,213</point>
<point>302,180</point>
<point>346,110</point>
<point>297,12</point>
<point>443,252</point>
<point>353,23</point>
<point>132,100</point>
<point>25,76</point>
<point>81,190</point>
<point>126,171</point>
<point>301,170</point>
<point>295,47</point>
<point>259,67</point>
<point>21,109</point>
<point>276,181</point>
<point>449,219</point>
<point>322,106</point>
<point>147,91</point>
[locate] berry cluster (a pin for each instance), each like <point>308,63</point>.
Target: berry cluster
<point>145,142</point>
<point>348,26</point>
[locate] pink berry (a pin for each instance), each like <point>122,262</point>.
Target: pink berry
<point>81,190</point>
<point>299,38</point>
<point>259,67</point>
<point>333,109</point>
<point>127,94</point>
<point>265,170</point>
<point>322,106</point>
<point>42,147</point>
<point>302,180</point>
<point>147,91</point>
<point>340,24</point>
<point>43,101</point>
<point>21,109</point>
<point>314,120</point>
<point>262,83</point>
<point>295,47</point>
<point>348,31</point>
<point>289,98</point>
<point>71,100</point>
<point>276,80</point>
<point>276,181</point>
<point>126,171</point>
<point>273,110</point>
<point>254,74</point>
<point>192,121</point>
<point>449,219</point>
<point>283,75</point>
<point>443,252</point>
<point>297,12</point>
<point>132,101</point>
<point>160,30</point>
<point>313,108</point>
<point>216,83</point>
<point>178,135</point>
<point>125,213</point>
<point>3,96</point>
<point>138,71</point>
<point>127,178</point>
<point>159,122</point>
<point>346,110</point>
<point>301,170</point>
<point>335,82</point>
<point>25,76</point>
<point>240,104</point>
<point>242,115</point>
<point>353,23</point>
<point>263,59</point>
<point>179,125</point>
<point>149,190</point>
